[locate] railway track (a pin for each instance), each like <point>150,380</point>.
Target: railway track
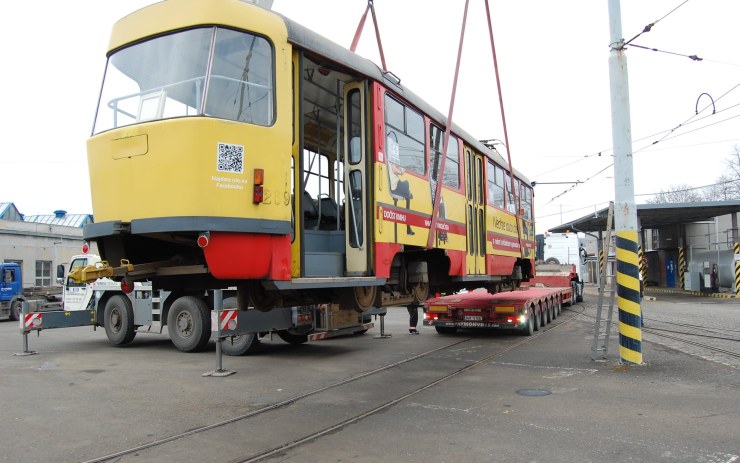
<point>725,335</point>
<point>444,360</point>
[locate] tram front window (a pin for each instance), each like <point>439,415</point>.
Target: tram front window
<point>166,77</point>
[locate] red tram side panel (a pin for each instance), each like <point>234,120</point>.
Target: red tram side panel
<point>526,310</point>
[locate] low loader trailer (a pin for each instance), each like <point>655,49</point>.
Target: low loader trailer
<point>525,310</point>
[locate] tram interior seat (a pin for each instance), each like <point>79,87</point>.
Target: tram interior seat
<point>329,213</point>
<point>310,213</point>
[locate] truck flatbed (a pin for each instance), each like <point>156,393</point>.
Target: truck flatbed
<point>525,310</point>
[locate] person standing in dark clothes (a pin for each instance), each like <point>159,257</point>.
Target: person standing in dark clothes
<point>413,318</point>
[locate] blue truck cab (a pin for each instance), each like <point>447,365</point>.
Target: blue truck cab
<point>12,292</point>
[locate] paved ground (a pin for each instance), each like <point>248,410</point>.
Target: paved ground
<point>466,397</point>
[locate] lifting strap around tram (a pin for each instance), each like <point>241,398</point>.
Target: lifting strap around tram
<point>358,33</point>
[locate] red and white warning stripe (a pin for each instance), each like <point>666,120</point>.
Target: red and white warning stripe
<point>32,321</point>
<point>228,320</point>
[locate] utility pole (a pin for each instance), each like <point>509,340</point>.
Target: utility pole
<point>625,211</point>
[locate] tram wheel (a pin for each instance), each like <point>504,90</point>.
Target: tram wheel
<point>360,298</point>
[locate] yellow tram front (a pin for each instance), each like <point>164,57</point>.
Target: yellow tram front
<point>193,132</point>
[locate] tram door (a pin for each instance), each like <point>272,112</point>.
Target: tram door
<point>355,179</point>
<point>475,213</point>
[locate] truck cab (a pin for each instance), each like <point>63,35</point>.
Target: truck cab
<point>11,284</point>
<point>77,296</point>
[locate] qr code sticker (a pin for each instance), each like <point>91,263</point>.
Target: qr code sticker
<point>230,158</point>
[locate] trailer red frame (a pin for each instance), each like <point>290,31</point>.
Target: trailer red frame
<point>523,310</point>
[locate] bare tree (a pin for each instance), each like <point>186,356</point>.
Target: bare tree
<point>677,194</point>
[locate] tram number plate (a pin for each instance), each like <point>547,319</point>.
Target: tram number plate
<point>473,318</point>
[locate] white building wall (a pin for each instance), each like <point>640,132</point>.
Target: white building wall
<point>29,242</point>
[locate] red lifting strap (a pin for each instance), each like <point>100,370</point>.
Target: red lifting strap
<point>361,25</point>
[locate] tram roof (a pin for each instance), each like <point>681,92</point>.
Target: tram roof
<point>316,43</point>
<point>652,216</point>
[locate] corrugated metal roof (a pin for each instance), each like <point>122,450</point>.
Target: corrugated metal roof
<point>67,220</point>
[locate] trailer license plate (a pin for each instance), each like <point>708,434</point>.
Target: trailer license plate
<point>473,318</point>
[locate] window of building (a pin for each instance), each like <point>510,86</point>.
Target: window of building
<point>43,273</point>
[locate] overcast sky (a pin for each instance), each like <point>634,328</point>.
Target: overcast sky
<point>553,64</point>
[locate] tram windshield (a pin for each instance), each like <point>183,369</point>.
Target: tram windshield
<point>209,71</point>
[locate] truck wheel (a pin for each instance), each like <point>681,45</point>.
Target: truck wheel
<point>15,310</point>
<point>553,310</point>
<point>446,329</point>
<point>579,297</point>
<point>189,324</point>
<point>573,291</point>
<point>292,338</point>
<point>242,344</point>
<point>118,320</point>
<point>548,311</point>
<point>535,317</point>
<point>558,305</point>
<point>529,327</point>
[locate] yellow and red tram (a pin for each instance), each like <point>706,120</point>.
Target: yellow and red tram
<point>234,147</point>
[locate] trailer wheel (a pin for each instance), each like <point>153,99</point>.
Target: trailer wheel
<point>529,327</point>
<point>535,317</point>
<point>118,320</point>
<point>15,310</point>
<point>574,291</point>
<point>548,311</point>
<point>558,305</point>
<point>242,344</point>
<point>292,338</point>
<point>579,297</point>
<point>553,310</point>
<point>189,324</point>
<point>446,329</point>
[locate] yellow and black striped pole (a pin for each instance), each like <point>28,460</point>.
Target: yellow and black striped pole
<point>737,270</point>
<point>643,263</point>
<point>628,297</point>
<point>682,267</point>
<point>625,210</point>
<point>601,261</point>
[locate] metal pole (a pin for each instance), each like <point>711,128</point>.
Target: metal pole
<point>24,331</point>
<point>218,302</point>
<point>628,284</point>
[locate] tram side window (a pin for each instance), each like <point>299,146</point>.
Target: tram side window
<point>525,195</point>
<point>452,164</point>
<point>405,127</point>
<point>509,194</point>
<point>495,185</point>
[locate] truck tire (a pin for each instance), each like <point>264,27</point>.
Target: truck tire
<point>574,291</point>
<point>189,324</point>
<point>535,317</point>
<point>242,344</point>
<point>579,297</point>
<point>118,320</point>
<point>552,260</point>
<point>528,329</point>
<point>292,338</point>
<point>446,329</point>
<point>15,310</point>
